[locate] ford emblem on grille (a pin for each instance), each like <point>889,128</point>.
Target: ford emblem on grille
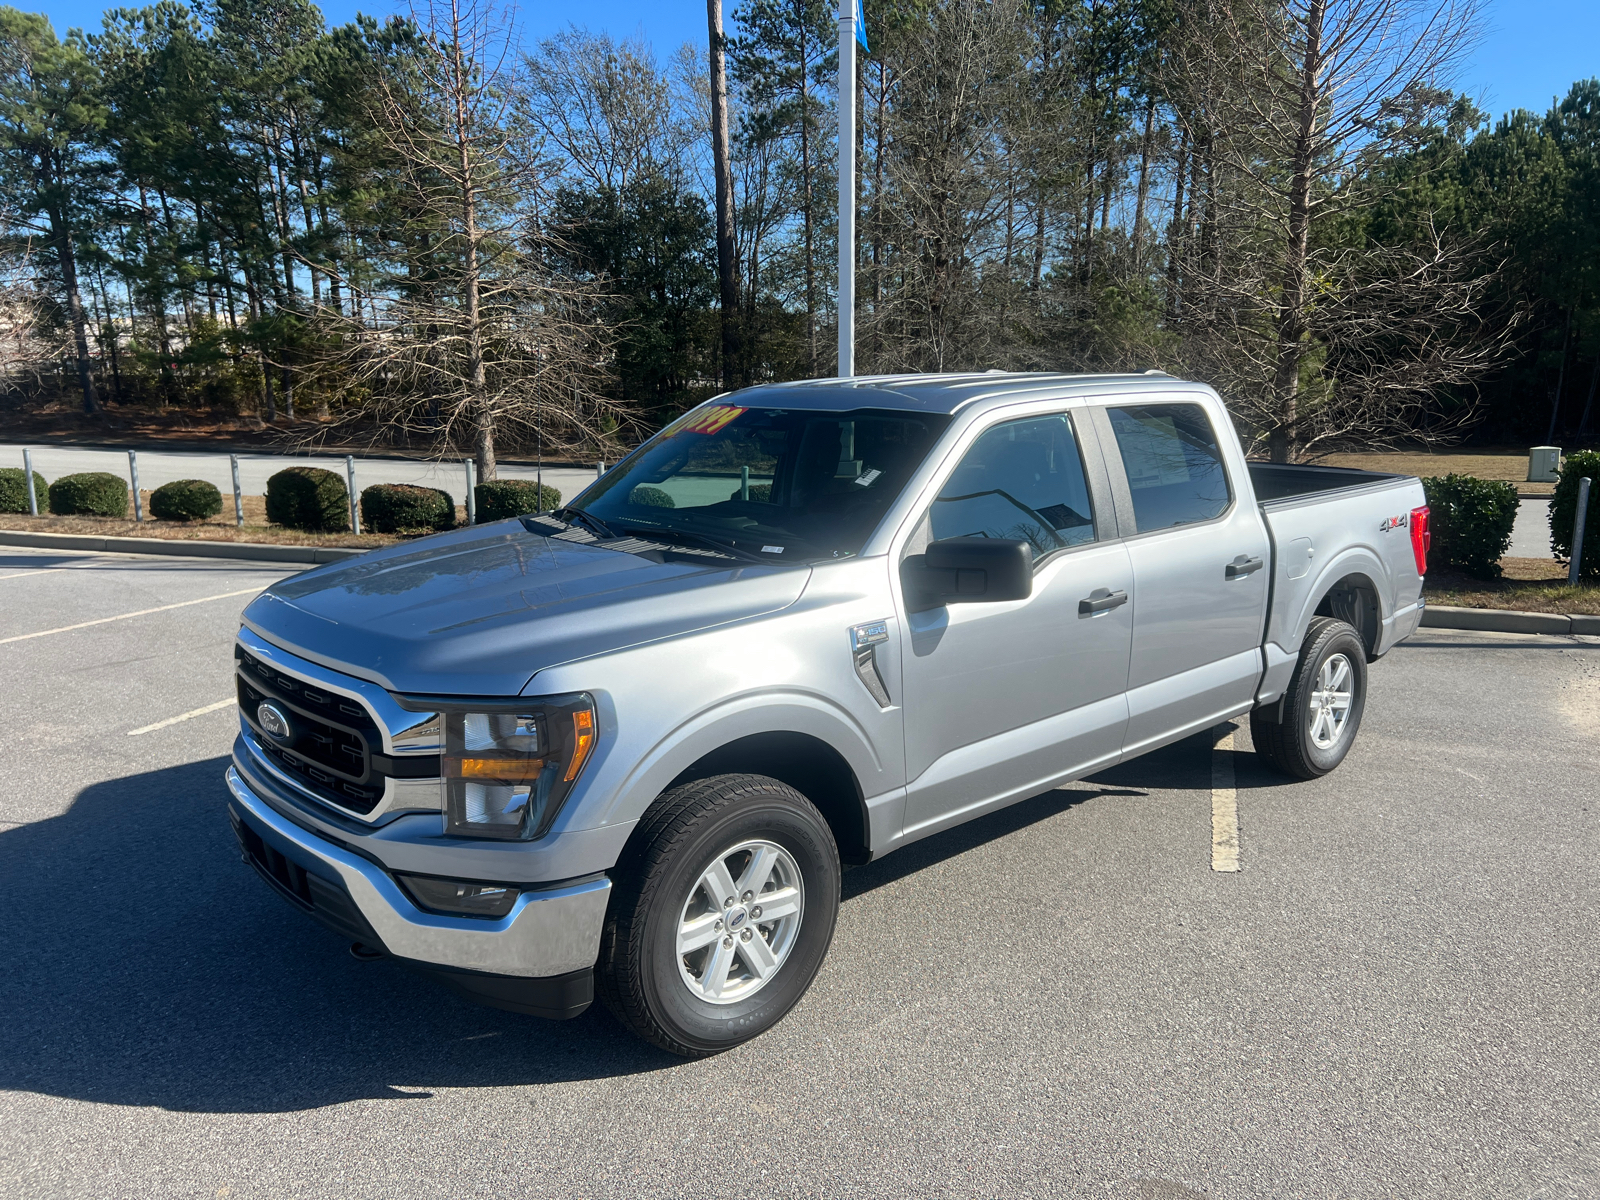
<point>273,721</point>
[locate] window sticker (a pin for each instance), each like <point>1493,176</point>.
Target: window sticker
<point>772,549</point>
<point>868,479</point>
<point>710,420</point>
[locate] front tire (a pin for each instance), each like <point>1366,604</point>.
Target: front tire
<point>721,914</point>
<point>1322,707</point>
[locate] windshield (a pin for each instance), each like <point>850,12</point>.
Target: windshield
<point>767,481</point>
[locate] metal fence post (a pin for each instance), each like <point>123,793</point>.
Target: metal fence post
<point>355,509</point>
<point>600,468</point>
<point>27,469</point>
<point>238,492</point>
<point>472,505</point>
<point>133,477</point>
<point>1577,530</point>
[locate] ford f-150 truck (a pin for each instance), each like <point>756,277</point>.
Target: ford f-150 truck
<point>630,744</point>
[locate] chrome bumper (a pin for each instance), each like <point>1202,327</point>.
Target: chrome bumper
<point>547,932</point>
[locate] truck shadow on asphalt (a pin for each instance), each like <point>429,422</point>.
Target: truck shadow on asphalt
<point>145,965</point>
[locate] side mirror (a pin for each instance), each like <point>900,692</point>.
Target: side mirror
<point>968,570</point>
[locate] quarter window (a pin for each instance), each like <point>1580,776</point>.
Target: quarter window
<point>1173,463</point>
<point>1022,479</point>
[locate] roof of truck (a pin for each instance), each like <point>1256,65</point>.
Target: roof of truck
<point>944,393</point>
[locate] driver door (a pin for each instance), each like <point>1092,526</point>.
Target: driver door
<point>1005,699</point>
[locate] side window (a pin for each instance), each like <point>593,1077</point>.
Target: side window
<point>1173,462</point>
<point>1023,479</point>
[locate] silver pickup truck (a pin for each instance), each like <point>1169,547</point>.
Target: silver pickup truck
<point>631,743</point>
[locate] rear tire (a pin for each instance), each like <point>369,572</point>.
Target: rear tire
<point>1322,706</point>
<point>697,974</point>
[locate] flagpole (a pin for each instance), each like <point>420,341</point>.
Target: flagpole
<point>847,187</point>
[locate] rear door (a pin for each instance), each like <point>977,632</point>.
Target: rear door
<point>1200,560</point>
<point>1002,699</point>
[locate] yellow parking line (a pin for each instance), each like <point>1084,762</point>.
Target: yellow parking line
<point>143,612</point>
<point>1224,807</point>
<point>193,712</point>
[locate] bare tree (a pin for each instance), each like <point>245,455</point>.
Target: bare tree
<point>1290,109</point>
<point>471,336</point>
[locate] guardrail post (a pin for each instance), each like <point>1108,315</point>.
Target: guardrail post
<point>27,469</point>
<point>1577,530</point>
<point>238,492</point>
<point>133,477</point>
<point>472,505</point>
<point>600,468</point>
<point>355,509</point>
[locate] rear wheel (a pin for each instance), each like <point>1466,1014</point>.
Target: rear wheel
<point>1321,709</point>
<point>720,915</point>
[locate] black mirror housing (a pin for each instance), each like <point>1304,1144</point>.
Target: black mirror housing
<point>968,570</point>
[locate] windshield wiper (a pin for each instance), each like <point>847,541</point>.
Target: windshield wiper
<point>671,534</point>
<point>595,525</point>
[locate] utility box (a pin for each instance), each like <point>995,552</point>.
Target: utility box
<point>1544,464</point>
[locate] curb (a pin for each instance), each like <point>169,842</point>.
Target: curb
<point>1500,620</point>
<point>253,551</point>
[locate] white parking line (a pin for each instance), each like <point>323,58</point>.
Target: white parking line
<point>194,712</point>
<point>1224,807</point>
<point>143,612</point>
<point>39,571</point>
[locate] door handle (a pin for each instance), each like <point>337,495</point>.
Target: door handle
<point>1243,565</point>
<point>1101,600</point>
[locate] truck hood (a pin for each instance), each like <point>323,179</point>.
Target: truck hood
<point>479,611</point>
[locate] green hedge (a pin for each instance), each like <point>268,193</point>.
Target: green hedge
<point>404,508</point>
<point>651,497</point>
<point>1564,510</point>
<point>502,498</point>
<point>309,499</point>
<point>185,500</point>
<point>93,494</point>
<point>14,490</point>
<point>1470,520</point>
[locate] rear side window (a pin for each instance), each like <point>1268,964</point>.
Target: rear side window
<point>1173,462</point>
<point>1022,479</point>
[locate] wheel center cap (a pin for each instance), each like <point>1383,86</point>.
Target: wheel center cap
<point>737,918</point>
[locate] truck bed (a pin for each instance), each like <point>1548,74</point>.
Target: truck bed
<point>1292,481</point>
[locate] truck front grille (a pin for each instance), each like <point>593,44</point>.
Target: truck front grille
<point>330,742</point>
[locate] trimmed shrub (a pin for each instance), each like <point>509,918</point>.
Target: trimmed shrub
<point>185,500</point>
<point>502,498</point>
<point>760,493</point>
<point>14,490</point>
<point>651,497</point>
<point>308,499</point>
<point>92,494</point>
<point>1564,510</point>
<point>1470,520</point>
<point>404,508</point>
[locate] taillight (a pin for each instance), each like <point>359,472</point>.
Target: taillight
<point>1420,538</point>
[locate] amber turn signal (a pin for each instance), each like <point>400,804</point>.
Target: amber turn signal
<point>503,770</point>
<point>582,742</point>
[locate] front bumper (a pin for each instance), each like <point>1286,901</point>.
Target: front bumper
<point>539,958</point>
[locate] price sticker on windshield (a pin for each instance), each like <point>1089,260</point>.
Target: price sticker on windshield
<point>709,420</point>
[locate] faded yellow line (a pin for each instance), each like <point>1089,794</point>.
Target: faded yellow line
<point>193,712</point>
<point>1224,807</point>
<point>143,612</point>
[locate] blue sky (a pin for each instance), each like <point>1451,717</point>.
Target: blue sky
<point>1534,49</point>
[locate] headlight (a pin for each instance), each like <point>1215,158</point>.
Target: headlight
<point>507,770</point>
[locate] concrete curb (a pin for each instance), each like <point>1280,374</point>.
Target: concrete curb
<point>252,551</point>
<point>1499,620</point>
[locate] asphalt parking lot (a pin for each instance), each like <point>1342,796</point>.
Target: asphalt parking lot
<point>1398,995</point>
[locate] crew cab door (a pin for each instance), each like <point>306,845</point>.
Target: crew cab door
<point>1003,699</point>
<point>1201,564</point>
